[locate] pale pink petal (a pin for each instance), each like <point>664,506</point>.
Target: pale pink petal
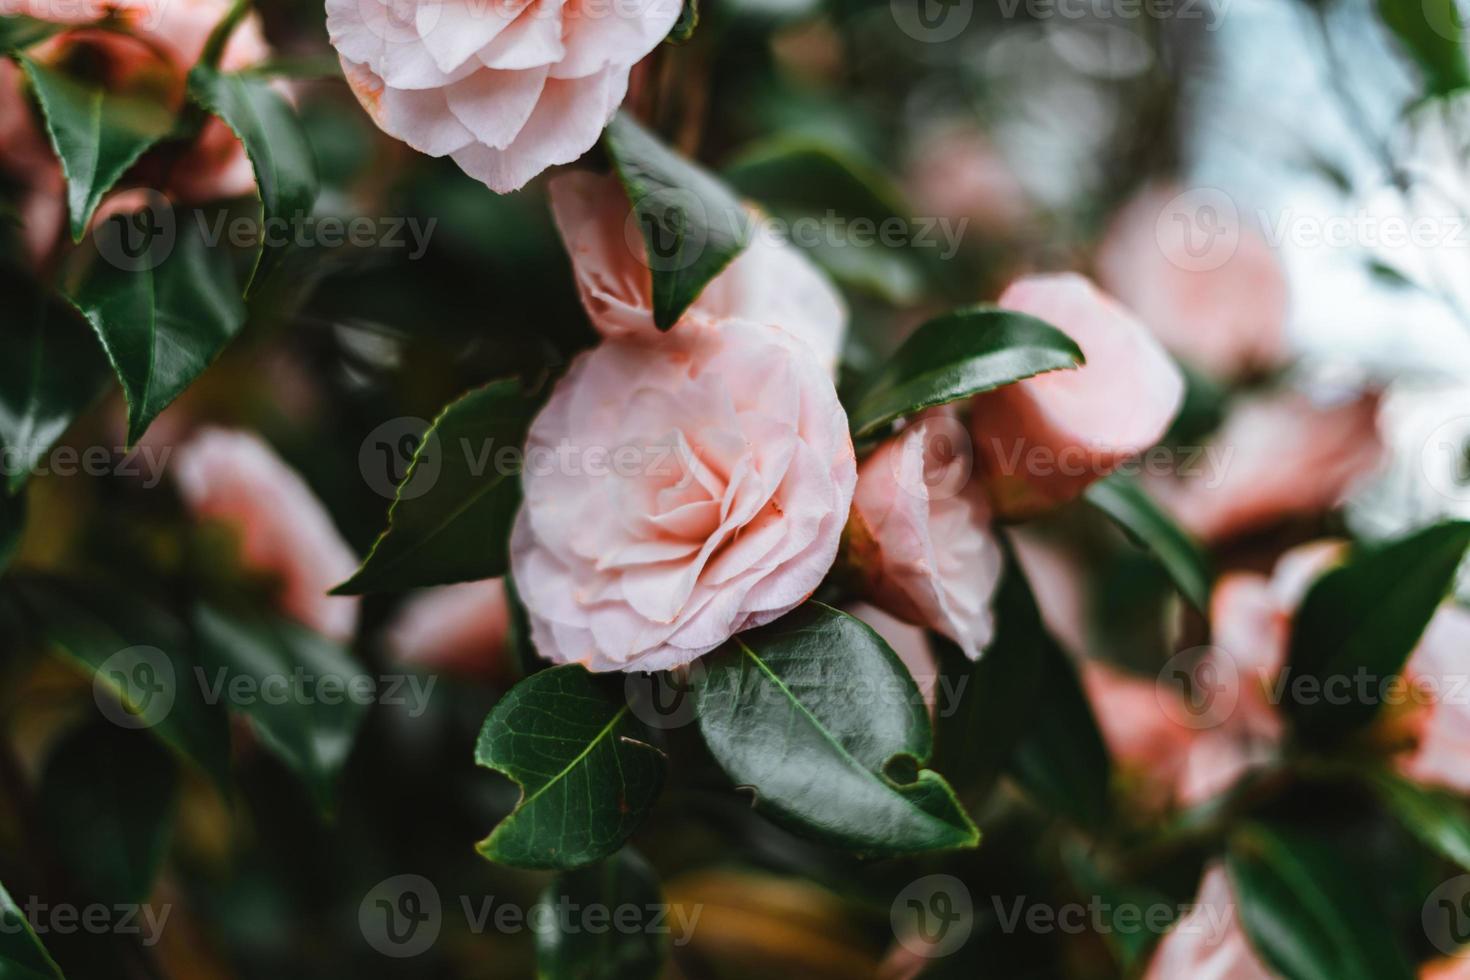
<point>911,645</point>
<point>1278,456</point>
<point>600,33</point>
<point>460,628</point>
<point>566,122</point>
<point>1208,943</point>
<point>421,118</point>
<point>494,105</point>
<point>452,31</point>
<point>1226,318</point>
<point>236,479</point>
<point>533,41</point>
<point>1440,668</point>
<point>1044,439</point>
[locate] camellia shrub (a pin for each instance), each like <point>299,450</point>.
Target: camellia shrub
<point>657,489</point>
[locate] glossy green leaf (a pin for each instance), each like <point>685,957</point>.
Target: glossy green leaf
<point>959,354</point>
<point>22,957</point>
<point>1306,912</point>
<point>107,798</point>
<point>1129,507</point>
<point>820,720</point>
<point>584,765</point>
<point>285,170</point>
<point>140,659</point>
<point>685,26</point>
<point>1061,759</point>
<point>50,371</point>
<point>12,526</point>
<point>18,33</point>
<point>450,521</point>
<point>998,698</point>
<point>1441,820</point>
<point>302,692</point>
<point>1366,616</point>
<point>161,326</point>
<point>1433,34</point>
<point>802,179</point>
<point>97,134</point>
<point>624,942</point>
<point>693,225</point>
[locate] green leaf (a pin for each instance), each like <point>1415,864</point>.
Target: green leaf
<point>18,33</point>
<point>802,179</point>
<point>1306,912</point>
<point>626,946</point>
<point>1126,504</point>
<point>684,27</point>
<point>311,727</point>
<point>693,226</point>
<point>1000,691</point>
<point>1433,33</point>
<point>1439,819</point>
<point>107,800</point>
<point>12,526</point>
<point>451,518</point>
<point>98,135</point>
<point>586,771</point>
<point>285,171</point>
<point>139,659</point>
<point>50,371</point>
<point>161,326</point>
<point>22,957</point>
<point>1061,759</point>
<point>822,722</point>
<point>959,354</point>
<point>1367,616</point>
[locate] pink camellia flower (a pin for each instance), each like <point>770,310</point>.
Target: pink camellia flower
<point>956,173</point>
<point>770,282</point>
<point>1277,456</point>
<point>1147,742</point>
<point>236,479</point>
<point>909,642</point>
<point>1041,441</point>
<point>919,535</point>
<point>1208,943</point>
<point>506,88</point>
<point>461,628</point>
<point>148,48</point>
<point>1224,314</point>
<point>1441,718</point>
<point>678,490</point>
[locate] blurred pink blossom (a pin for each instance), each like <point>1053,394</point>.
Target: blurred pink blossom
<point>1208,943</point>
<point>234,478</point>
<point>909,642</point>
<point>1226,320</point>
<point>460,628</point>
<point>1041,441</point>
